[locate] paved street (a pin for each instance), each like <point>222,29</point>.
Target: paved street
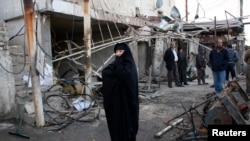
<point>162,105</point>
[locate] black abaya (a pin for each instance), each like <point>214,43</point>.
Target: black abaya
<point>120,93</point>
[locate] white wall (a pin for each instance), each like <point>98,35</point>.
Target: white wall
<point>7,87</point>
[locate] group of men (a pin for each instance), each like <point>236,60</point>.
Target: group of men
<point>221,61</point>
<point>176,64</point>
<point>171,59</point>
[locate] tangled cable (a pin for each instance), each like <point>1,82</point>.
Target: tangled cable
<point>65,118</point>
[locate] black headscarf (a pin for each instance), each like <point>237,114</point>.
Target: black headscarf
<point>120,93</point>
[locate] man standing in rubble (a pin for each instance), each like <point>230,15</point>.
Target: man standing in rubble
<point>182,66</point>
<point>233,58</point>
<point>218,59</point>
<point>247,60</point>
<point>201,66</point>
<point>171,59</point>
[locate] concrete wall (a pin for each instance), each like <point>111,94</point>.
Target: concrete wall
<point>17,47</point>
<point>7,88</point>
<point>19,54</point>
<point>10,9</point>
<point>158,56</point>
<point>121,7</point>
<point>143,57</point>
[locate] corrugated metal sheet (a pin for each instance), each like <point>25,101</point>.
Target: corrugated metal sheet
<point>203,26</point>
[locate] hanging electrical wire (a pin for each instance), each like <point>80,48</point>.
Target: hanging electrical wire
<point>24,51</point>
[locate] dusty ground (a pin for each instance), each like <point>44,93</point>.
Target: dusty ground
<point>158,105</point>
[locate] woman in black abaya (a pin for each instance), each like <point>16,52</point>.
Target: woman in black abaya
<point>120,93</point>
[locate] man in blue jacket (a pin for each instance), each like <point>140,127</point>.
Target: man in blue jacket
<point>233,58</point>
<point>218,59</point>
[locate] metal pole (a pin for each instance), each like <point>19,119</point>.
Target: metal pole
<point>227,28</point>
<point>215,32</point>
<point>87,43</point>
<point>241,8</point>
<point>31,44</point>
<point>163,131</point>
<point>186,10</point>
<point>106,62</point>
<point>95,49</point>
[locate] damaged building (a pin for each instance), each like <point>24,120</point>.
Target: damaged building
<point>60,48</point>
<point>47,42</point>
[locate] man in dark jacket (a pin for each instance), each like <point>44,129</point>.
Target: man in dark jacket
<point>233,58</point>
<point>171,59</point>
<point>218,59</point>
<point>182,66</point>
<point>201,66</point>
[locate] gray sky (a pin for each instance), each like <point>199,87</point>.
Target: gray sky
<point>211,8</point>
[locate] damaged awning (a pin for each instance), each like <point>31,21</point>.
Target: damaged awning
<point>206,25</point>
